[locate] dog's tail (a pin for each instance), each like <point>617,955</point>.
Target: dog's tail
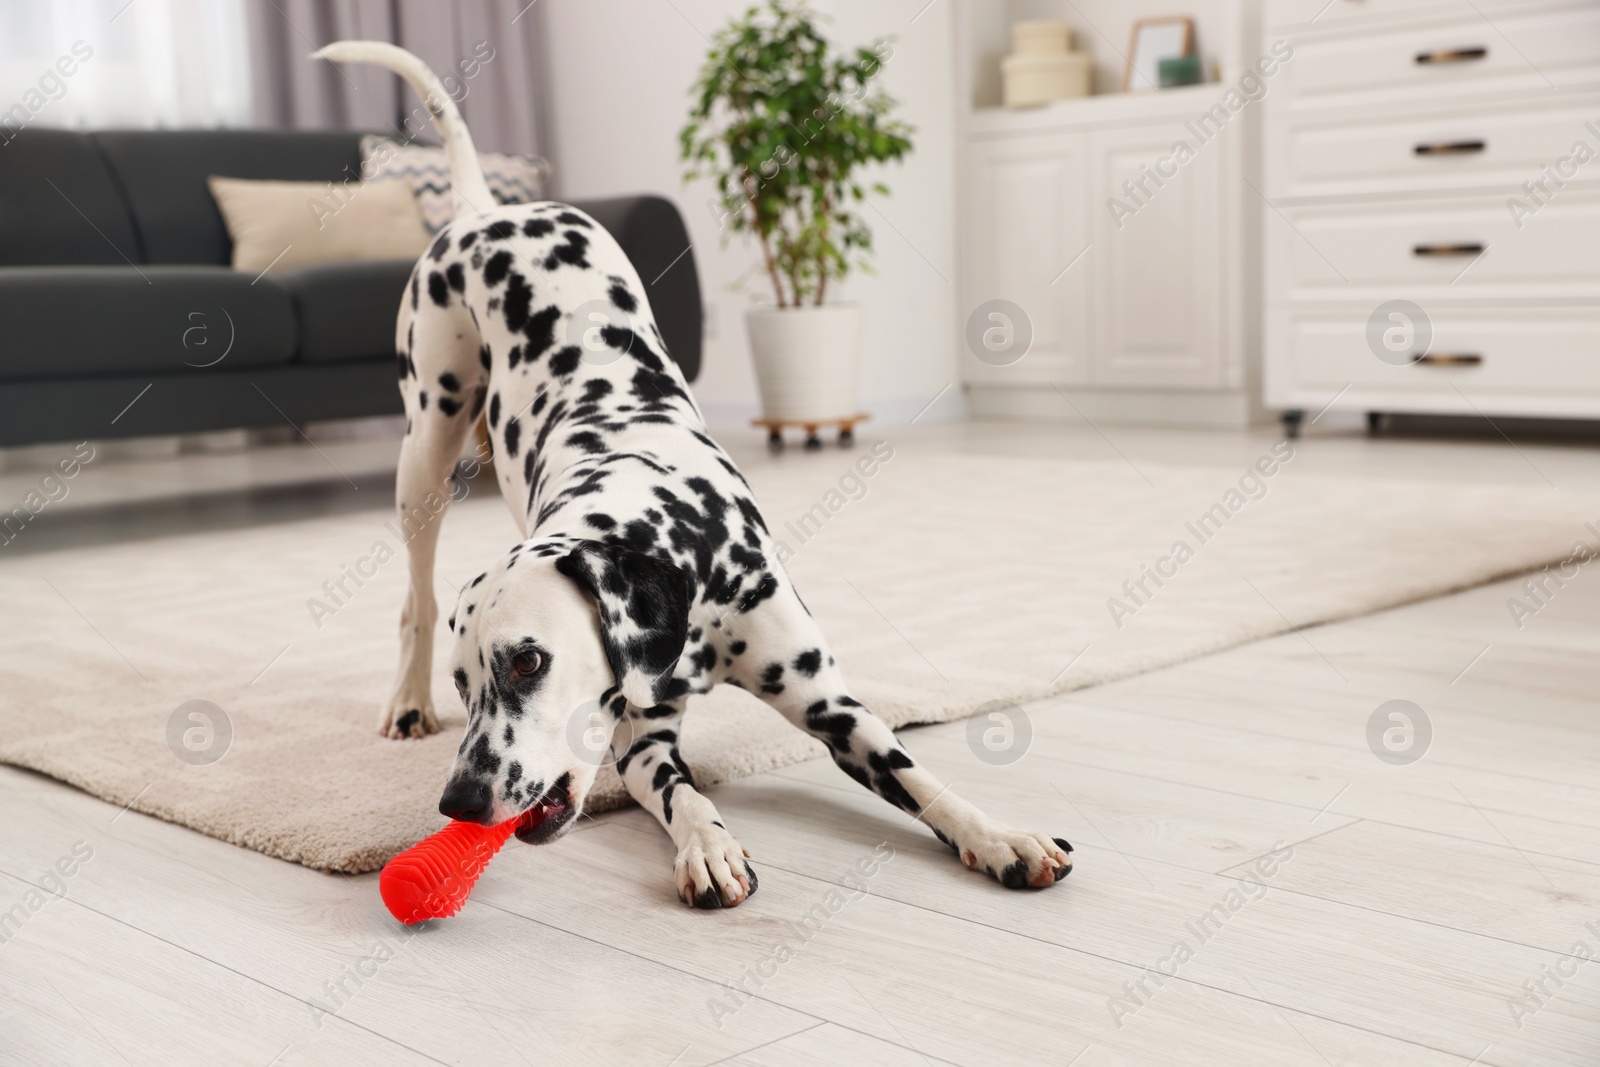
<point>472,196</point>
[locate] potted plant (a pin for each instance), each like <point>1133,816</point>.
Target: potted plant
<point>781,122</point>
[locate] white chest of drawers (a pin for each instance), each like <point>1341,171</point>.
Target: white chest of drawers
<point>1433,170</point>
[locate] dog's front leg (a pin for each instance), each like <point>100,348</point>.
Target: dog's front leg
<point>440,362</point>
<point>813,697</point>
<point>710,870</point>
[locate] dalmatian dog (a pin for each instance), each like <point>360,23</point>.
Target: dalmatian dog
<point>646,574</point>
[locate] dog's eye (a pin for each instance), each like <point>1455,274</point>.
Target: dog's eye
<point>525,664</point>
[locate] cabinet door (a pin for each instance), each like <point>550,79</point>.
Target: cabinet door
<point>1158,265</point>
<point>1026,224</point>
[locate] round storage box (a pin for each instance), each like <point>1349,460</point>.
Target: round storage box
<point>1034,37</point>
<point>1033,80</point>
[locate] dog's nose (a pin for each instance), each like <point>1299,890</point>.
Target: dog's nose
<point>465,799</point>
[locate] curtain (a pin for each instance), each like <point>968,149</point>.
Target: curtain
<point>100,63</point>
<point>488,50</point>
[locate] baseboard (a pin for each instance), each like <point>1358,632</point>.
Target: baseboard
<point>1217,409</point>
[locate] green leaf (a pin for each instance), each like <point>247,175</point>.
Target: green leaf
<point>779,122</point>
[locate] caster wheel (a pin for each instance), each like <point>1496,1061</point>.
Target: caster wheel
<point>1376,421</point>
<point>774,441</point>
<point>813,442</point>
<point>847,437</point>
<point>1291,424</point>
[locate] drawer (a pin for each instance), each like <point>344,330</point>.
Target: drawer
<point>1529,47</point>
<point>1497,352</point>
<point>1443,249</point>
<point>1301,14</point>
<point>1477,147</point>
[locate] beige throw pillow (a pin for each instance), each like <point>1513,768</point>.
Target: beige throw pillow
<point>283,225</point>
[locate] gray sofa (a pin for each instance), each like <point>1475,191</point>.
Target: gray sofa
<point>116,295</point>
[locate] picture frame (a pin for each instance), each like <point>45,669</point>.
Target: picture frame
<point>1153,40</point>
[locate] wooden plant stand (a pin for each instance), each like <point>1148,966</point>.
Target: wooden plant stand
<point>775,428</point>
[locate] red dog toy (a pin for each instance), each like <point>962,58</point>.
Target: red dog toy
<point>434,877</point>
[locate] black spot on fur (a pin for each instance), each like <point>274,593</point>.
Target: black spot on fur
<point>622,298</point>
<point>405,722</point>
<point>499,231</point>
<point>449,381</point>
<point>494,411</point>
<point>769,679</point>
<point>518,302</point>
<point>449,405</point>
<point>438,289</point>
<point>572,253</point>
<point>484,760</point>
<point>541,333</point>
<point>513,436</point>
<point>456,276</point>
<point>809,663</point>
<point>588,441</point>
<point>494,271</point>
<point>566,361</point>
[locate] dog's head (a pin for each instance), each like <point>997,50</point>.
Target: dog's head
<point>549,645</point>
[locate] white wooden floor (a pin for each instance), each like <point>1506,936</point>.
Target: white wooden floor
<point>1409,910</point>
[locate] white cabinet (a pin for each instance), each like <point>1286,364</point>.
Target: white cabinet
<point>1122,227</point>
<point>1443,155</point>
<point>1156,262</point>
<point>1025,226</point>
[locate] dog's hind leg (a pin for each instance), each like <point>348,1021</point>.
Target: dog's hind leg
<point>443,384</point>
<point>807,688</point>
<point>710,869</point>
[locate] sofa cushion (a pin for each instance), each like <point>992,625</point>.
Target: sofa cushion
<point>59,203</point>
<point>346,310</point>
<point>164,172</point>
<point>279,226</point>
<point>111,320</point>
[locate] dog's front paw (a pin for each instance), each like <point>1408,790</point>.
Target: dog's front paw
<point>1018,859</point>
<point>408,718</point>
<point>711,870</point>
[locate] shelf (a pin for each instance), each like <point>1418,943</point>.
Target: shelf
<point>1152,105</point>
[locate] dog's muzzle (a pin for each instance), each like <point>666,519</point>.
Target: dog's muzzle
<point>549,816</point>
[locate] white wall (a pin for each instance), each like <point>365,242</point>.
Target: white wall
<point>620,76</point>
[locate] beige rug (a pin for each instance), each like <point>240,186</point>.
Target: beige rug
<point>952,582</point>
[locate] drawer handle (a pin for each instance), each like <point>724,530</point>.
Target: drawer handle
<point>1451,55</point>
<point>1470,249</point>
<point>1450,359</point>
<point>1450,148</point>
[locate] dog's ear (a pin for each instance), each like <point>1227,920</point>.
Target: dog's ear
<point>644,614</point>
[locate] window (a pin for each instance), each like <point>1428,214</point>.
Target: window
<point>105,63</point>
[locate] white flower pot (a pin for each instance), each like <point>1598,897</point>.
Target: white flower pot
<point>808,360</point>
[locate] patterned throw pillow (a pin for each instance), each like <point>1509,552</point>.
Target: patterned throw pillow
<point>512,179</point>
